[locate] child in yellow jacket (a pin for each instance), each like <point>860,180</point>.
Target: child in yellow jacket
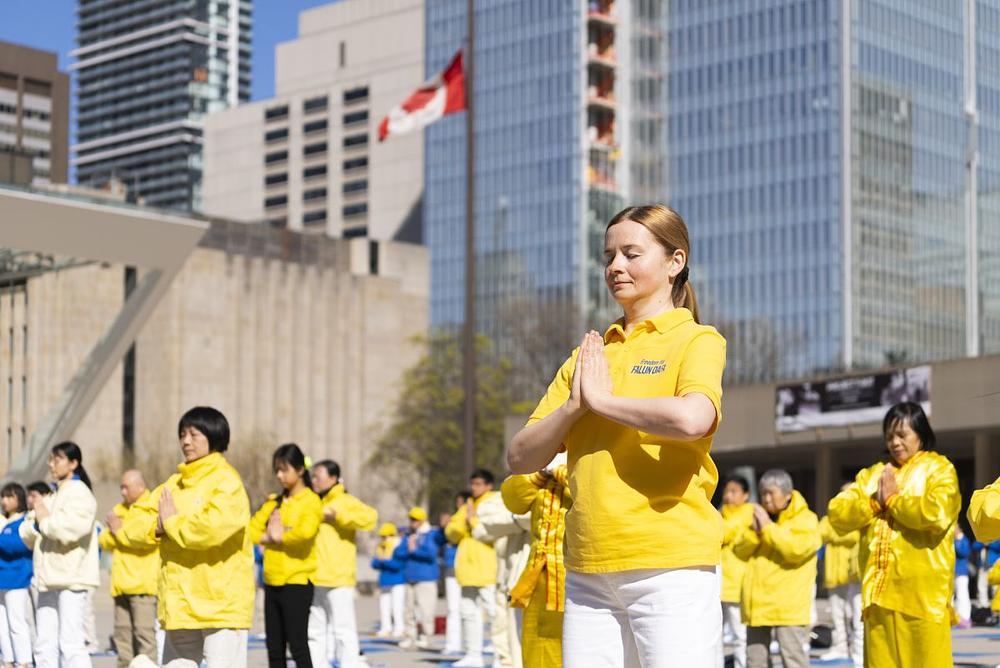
<point>286,527</point>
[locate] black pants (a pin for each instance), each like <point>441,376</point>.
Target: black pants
<point>286,621</point>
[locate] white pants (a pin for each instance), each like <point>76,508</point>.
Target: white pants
<point>453,627</point>
<point>333,627</point>
<point>845,610</point>
<point>733,617</point>
<point>648,618</point>
<point>505,632</point>
<point>391,604</point>
<point>476,602</point>
<point>963,605</point>
<point>983,588</point>
<point>15,633</point>
<point>220,648</point>
<point>60,622</point>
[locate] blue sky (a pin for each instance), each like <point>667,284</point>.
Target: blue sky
<point>51,24</point>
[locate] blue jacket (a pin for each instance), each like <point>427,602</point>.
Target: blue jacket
<point>992,551</point>
<point>15,558</point>
<point>390,571</point>
<point>962,551</point>
<point>421,565</point>
<point>449,548</point>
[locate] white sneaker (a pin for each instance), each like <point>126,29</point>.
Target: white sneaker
<point>833,655</point>
<point>423,643</point>
<point>469,662</point>
<point>406,643</point>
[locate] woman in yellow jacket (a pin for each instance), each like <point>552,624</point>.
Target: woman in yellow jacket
<point>984,513</point>
<point>201,516</point>
<point>737,514</point>
<point>906,511</point>
<point>636,409</point>
<point>541,589</point>
<point>780,547</point>
<point>843,584</point>
<point>286,527</point>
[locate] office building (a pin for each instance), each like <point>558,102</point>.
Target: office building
<point>148,73</point>
<point>307,159</point>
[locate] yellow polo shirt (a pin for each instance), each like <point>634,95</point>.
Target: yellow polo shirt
<point>642,500</point>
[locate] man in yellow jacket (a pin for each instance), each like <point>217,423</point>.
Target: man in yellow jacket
<point>780,546</point>
<point>475,569</point>
<point>333,626</point>
<point>134,572</point>
<point>842,579</point>
<point>984,513</point>
<point>737,514</point>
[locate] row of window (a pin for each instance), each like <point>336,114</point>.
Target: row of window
<point>281,134</point>
<point>317,170</point>
<point>353,141</point>
<point>318,217</point>
<point>320,103</point>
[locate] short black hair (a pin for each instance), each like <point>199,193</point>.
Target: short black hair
<point>332,467</point>
<point>209,422</point>
<point>14,489</point>
<point>910,413</point>
<point>739,480</point>
<point>484,475</point>
<point>40,487</point>
<point>464,495</point>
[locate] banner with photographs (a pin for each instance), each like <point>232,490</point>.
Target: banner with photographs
<point>852,400</point>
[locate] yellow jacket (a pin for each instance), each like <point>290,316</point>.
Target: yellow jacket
<point>781,567</point>
<point>840,561</point>
<point>336,551</point>
<point>908,546</point>
<point>206,558</point>
<point>993,577</point>
<point>734,520</point>
<point>135,568</point>
<point>547,498</point>
<point>475,561</point>
<point>984,512</point>
<point>293,561</point>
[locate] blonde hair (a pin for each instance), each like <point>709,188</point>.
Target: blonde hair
<point>669,229</point>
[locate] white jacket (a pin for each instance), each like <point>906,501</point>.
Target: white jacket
<point>65,543</point>
<point>511,536</point>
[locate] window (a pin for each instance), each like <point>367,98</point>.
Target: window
<point>356,117</point>
<point>315,149</point>
<point>315,193</point>
<point>277,156</point>
<point>276,113</point>
<point>356,94</point>
<point>278,222</point>
<point>275,179</point>
<point>355,163</point>
<point>343,54</point>
<point>271,202</point>
<point>354,232</point>
<point>313,172</point>
<point>314,126</point>
<point>276,135</point>
<point>355,209</point>
<point>314,104</point>
<point>313,217</point>
<point>355,141</point>
<point>356,186</point>
<point>372,257</point>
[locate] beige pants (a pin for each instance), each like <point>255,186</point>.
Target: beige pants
<point>421,598</point>
<point>134,628</point>
<point>791,644</point>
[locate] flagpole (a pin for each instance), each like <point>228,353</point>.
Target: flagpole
<point>469,330</point>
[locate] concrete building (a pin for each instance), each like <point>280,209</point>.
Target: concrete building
<point>34,116</point>
<point>295,337</point>
<point>308,158</point>
<point>148,72</point>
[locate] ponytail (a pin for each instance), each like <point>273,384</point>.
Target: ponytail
<point>71,451</point>
<point>291,454</point>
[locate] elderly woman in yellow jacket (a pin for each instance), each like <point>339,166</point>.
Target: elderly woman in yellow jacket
<point>201,515</point>
<point>906,511</point>
<point>842,580</point>
<point>541,590</point>
<point>984,513</point>
<point>780,545</point>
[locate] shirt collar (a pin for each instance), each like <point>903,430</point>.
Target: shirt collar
<point>662,322</point>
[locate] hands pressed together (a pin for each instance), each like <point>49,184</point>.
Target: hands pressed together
<point>887,485</point>
<point>592,377</point>
<point>275,531</point>
<point>760,518</point>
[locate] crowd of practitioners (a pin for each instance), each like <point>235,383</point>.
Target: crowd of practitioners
<point>603,549</point>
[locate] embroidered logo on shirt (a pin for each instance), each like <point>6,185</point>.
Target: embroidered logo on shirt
<point>647,367</point>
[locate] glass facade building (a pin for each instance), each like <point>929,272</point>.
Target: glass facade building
<point>148,72</point>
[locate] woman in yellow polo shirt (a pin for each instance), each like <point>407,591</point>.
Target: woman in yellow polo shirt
<point>635,410</point>
<point>906,511</point>
<point>286,526</point>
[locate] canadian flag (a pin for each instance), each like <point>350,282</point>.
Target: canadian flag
<point>444,94</point>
